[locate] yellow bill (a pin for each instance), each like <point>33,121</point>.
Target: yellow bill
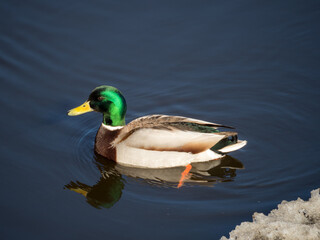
<point>84,108</point>
<point>79,190</point>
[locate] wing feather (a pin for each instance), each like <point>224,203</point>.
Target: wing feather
<point>172,140</point>
<point>171,133</point>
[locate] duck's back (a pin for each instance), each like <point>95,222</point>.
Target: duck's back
<point>160,141</point>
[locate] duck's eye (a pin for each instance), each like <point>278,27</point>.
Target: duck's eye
<point>100,98</point>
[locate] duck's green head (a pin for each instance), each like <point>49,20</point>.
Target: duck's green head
<point>106,100</point>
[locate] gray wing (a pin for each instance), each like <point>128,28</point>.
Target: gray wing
<point>167,122</point>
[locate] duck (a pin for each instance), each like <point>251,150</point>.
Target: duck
<point>154,141</point>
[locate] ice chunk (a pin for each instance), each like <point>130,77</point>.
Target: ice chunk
<point>294,220</point>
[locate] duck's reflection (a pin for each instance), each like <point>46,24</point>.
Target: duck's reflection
<point>108,190</point>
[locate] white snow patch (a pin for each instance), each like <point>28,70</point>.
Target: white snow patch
<point>294,220</point>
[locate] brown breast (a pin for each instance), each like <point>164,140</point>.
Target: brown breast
<point>103,142</point>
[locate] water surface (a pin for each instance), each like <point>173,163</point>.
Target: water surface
<point>252,65</point>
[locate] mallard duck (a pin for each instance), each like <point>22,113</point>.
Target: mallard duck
<point>154,141</point>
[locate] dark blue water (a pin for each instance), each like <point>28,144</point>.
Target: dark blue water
<point>249,64</point>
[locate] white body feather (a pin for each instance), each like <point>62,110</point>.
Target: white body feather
<point>138,157</point>
<point>163,139</point>
<point>135,150</point>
